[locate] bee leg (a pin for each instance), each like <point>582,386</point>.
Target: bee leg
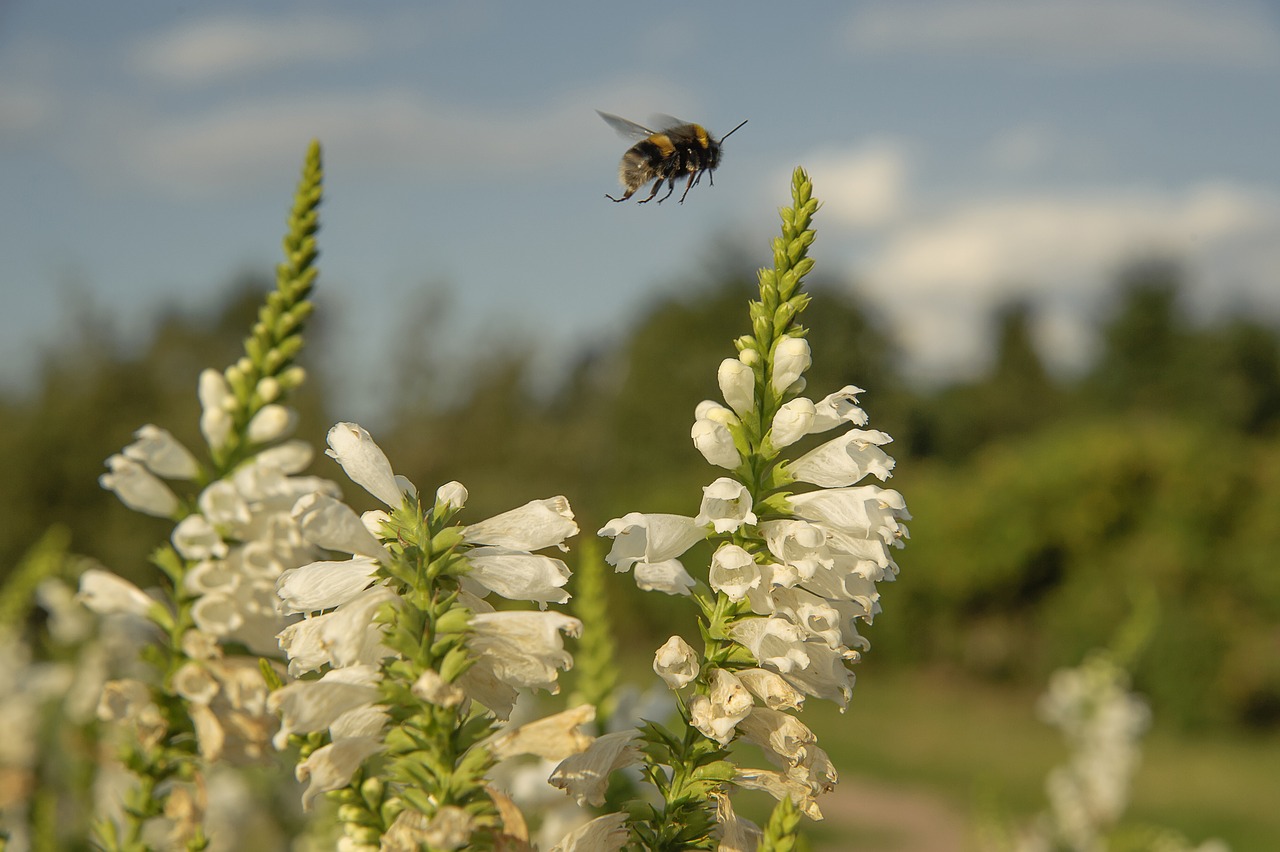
<point>689,186</point>
<point>611,198</point>
<point>657,185</point>
<point>671,187</point>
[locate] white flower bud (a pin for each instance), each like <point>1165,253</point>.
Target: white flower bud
<point>268,389</point>
<point>138,488</point>
<point>215,401</point>
<point>161,453</point>
<point>737,385</point>
<point>105,593</point>
<point>791,358</point>
<point>715,442</point>
<point>364,461</point>
<point>271,422</point>
<point>676,663</point>
<point>451,496</point>
<point>792,422</point>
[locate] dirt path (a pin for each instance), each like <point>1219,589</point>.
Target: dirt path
<point>883,818</point>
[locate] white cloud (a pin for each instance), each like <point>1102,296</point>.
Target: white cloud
<point>939,278</point>
<point>1074,32</point>
<point>390,131</point>
<point>863,187</point>
<point>24,110</point>
<point>214,49</point>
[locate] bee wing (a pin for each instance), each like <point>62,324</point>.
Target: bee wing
<point>629,129</point>
<point>666,122</point>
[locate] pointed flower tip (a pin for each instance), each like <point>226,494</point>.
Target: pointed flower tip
<point>365,462</point>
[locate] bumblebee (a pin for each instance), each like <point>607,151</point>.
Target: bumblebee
<point>680,149</point>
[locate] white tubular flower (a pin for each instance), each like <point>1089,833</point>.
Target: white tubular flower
<point>771,688</point>
<point>733,572</point>
<point>324,585</point>
<point>717,715</point>
<point>737,834</point>
<point>344,637</point>
<point>865,511</point>
<point>364,462</point>
<point>524,649</point>
<point>820,618</point>
<point>138,488</point>
<point>668,577</point>
<point>533,526</point>
<point>793,421</point>
<point>606,833</point>
<point>272,421</point>
<point>800,546</point>
<point>224,507</point>
<point>333,525</point>
<point>782,736</point>
<point>779,785</point>
<point>650,538</point>
<point>586,775</point>
<point>814,769</point>
<point>844,460</point>
<point>518,575</point>
<point>791,358</point>
<point>1103,723</point>
<point>737,385</point>
<point>553,737</point>
<point>848,579</point>
<point>162,454</point>
<point>216,402</point>
<point>129,701</point>
<point>312,705</point>
<point>714,440</point>
<point>107,594</point>
<point>290,457</point>
<point>774,642</point>
<point>676,663</point>
<point>451,496</point>
<point>195,538</point>
<point>824,675</point>
<point>837,409</point>
<point>330,767</point>
<point>726,505</point>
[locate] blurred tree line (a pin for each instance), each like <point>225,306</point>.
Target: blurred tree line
<point>1042,504</point>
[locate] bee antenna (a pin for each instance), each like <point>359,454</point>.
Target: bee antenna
<point>733,131</point>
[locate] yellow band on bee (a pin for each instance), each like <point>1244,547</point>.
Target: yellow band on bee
<point>663,141</point>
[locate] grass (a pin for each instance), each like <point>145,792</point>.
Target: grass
<point>982,749</point>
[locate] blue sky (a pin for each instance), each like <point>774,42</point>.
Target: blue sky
<point>967,151</point>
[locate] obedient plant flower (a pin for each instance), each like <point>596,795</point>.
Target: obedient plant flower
<point>388,703</point>
<point>234,536</point>
<point>798,547</point>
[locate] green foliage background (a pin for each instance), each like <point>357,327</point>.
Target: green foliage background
<point>1042,504</point>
